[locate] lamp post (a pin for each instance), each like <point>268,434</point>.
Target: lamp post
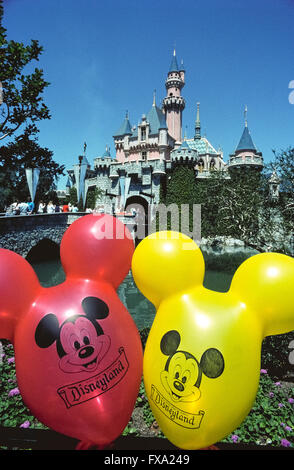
<point>80,170</point>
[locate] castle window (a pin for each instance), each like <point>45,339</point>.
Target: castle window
<point>144,155</point>
<point>143,133</point>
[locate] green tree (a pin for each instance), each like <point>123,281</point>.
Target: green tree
<point>93,196</point>
<point>26,153</point>
<point>22,103</point>
<point>209,193</point>
<point>180,189</point>
<point>235,204</point>
<point>73,196</point>
<point>240,203</point>
<point>283,164</point>
<point>239,206</point>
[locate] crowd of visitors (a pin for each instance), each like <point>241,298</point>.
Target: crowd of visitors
<point>28,208</point>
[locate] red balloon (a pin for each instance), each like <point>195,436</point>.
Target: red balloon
<point>78,353</point>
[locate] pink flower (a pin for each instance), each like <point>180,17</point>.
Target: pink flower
<point>235,438</point>
<point>13,392</point>
<point>271,394</point>
<point>288,428</point>
<point>263,371</point>
<point>280,405</point>
<point>26,424</point>
<point>10,360</point>
<point>285,443</point>
<point>278,384</point>
<point>291,400</point>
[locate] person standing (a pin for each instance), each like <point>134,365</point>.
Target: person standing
<point>31,207</point>
<point>23,208</point>
<point>50,208</point>
<point>41,208</point>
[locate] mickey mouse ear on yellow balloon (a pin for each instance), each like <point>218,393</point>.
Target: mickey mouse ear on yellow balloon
<point>167,262</point>
<point>266,283</point>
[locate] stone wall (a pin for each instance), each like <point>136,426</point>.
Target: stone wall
<point>21,233</point>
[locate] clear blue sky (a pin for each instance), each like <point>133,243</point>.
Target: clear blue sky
<point>105,57</point>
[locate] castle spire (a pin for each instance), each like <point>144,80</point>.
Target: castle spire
<point>197,123</point>
<point>174,63</point>
<point>174,103</point>
<point>154,98</point>
<point>245,115</point>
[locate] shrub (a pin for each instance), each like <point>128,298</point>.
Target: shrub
<point>275,355</point>
<point>271,419</point>
<point>13,412</point>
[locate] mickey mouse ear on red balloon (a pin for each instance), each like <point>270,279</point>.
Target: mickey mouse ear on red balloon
<point>19,285</point>
<point>97,247</point>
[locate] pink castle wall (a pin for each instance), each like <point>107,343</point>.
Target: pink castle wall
<point>173,121</point>
<point>135,156</point>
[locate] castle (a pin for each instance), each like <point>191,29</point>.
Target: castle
<point>147,153</point>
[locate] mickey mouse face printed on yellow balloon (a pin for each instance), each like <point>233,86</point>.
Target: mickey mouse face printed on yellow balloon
<point>202,357</point>
<point>182,374</point>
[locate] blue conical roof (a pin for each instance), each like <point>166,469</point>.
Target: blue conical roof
<point>174,64</point>
<point>156,120</point>
<point>125,128</point>
<point>184,145</point>
<point>106,153</point>
<point>246,142</point>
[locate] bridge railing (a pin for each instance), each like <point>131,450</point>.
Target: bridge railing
<point>25,222</point>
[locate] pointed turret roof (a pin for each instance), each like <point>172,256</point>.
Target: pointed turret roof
<point>125,128</point>
<point>83,160</point>
<point>184,145</point>
<point>106,154</point>
<point>246,142</point>
<point>156,119</point>
<point>174,63</point>
<point>182,68</point>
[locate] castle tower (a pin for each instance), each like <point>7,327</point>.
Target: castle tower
<point>174,103</point>
<point>246,154</point>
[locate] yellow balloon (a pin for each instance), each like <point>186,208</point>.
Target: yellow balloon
<point>202,357</point>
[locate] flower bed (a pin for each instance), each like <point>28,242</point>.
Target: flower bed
<point>270,422</point>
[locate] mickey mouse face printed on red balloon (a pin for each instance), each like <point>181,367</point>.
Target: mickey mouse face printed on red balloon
<point>80,341</point>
